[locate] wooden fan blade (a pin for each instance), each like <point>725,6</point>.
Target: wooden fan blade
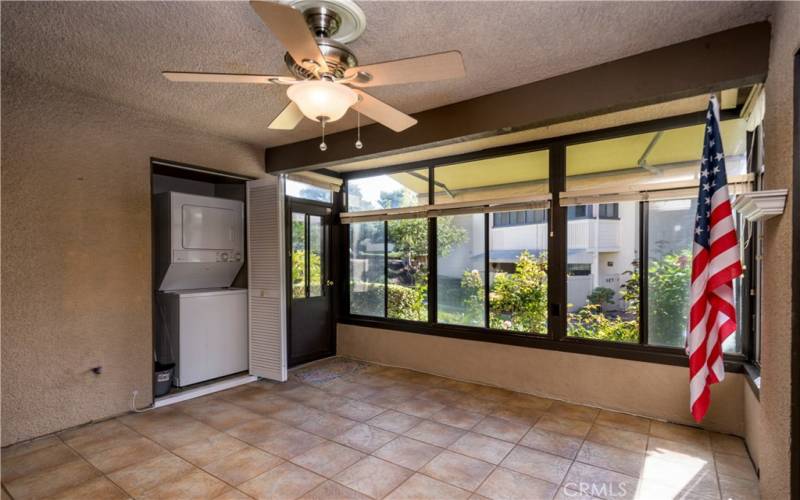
<point>182,76</point>
<point>429,68</point>
<point>289,25</point>
<point>382,113</point>
<point>288,118</point>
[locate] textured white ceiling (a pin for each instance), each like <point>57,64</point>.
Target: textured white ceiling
<point>116,50</point>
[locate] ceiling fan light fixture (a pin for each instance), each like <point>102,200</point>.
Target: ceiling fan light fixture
<point>318,99</point>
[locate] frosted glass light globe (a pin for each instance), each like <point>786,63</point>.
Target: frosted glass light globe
<point>322,99</point>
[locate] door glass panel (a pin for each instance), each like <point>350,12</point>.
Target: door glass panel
<point>298,255</point>
<point>367,266</point>
<point>315,270</point>
<point>461,270</point>
<point>407,269</point>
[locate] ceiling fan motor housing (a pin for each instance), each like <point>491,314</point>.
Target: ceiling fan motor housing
<point>337,55</point>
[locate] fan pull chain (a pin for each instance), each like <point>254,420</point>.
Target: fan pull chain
<point>359,144</point>
<point>322,145</point>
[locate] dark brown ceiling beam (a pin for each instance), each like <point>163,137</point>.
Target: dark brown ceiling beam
<point>731,58</point>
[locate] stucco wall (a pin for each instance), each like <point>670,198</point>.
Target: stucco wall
<point>648,389</point>
<point>76,250</point>
<point>769,434</point>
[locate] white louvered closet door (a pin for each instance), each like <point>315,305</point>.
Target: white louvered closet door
<point>266,278</point>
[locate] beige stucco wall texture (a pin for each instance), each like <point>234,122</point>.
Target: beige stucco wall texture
<point>768,424</point>
<point>76,250</point>
<point>647,389</point>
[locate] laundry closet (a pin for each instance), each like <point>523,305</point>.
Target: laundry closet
<point>200,301</point>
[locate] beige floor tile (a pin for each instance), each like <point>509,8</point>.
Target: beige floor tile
<point>243,465</point>
<point>330,490</point>
<point>601,483</point>
<point>482,447</point>
<point>524,416</point>
<point>457,418</point>
<point>435,433</point>
<point>286,481</point>
<point>563,425</point>
<point>176,436</point>
<point>627,440</point>
<point>221,414</point>
<point>327,402</point>
<point>458,470</point>
<point>206,451</point>
<point>573,411</point>
<point>537,463</point>
<point>494,393</point>
<point>422,408</point>
<point>501,429</point>
<point>290,442</point>
<point>373,477</point>
<point>350,390</point>
<point>735,466</point>
<point>394,421</point>
<point>612,458</point>
<point>256,431</point>
<point>302,393</point>
<point>232,494</point>
<point>623,421</point>
<point>140,478</point>
<point>358,410</point>
<point>365,438</point>
<point>505,484</point>
<point>126,452</point>
<point>94,438</point>
<point>702,475</point>
<point>426,488</point>
<point>327,425</point>
<point>29,446</point>
<point>99,488</point>
<point>50,481</point>
<point>565,493</point>
<point>458,385</point>
<point>158,420</point>
<point>733,488</point>
<point>528,402</point>
<point>37,460</point>
<point>407,452</point>
<point>328,459</point>
<point>443,396</point>
<point>677,452</point>
<point>197,484</point>
<point>476,405</point>
<point>296,414</point>
<point>725,443</point>
<point>551,442</point>
<point>680,433</point>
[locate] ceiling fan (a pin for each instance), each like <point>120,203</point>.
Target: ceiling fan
<point>327,80</point>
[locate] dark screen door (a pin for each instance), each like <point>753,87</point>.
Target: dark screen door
<point>310,288</point>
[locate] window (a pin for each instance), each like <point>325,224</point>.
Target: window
<point>398,190</point>
<point>619,273</point>
<point>298,255</point>
<point>367,269</point>
<point>461,270</point>
<point>299,189</point>
<point>518,274</point>
<point>603,303</point>
<point>407,269</point>
<point>315,240</point>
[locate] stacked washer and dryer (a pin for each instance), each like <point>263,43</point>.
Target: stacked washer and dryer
<point>201,320</point>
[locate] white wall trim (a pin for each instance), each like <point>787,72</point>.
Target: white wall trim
<point>171,399</point>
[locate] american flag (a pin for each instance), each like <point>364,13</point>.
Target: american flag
<point>715,264</point>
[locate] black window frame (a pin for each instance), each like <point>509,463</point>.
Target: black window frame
<point>556,337</point>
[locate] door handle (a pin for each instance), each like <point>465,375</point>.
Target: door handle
<point>329,283</point>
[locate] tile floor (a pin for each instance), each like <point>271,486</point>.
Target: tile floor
<point>341,429</point>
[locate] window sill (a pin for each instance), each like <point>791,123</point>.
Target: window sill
<point>753,375</point>
<point>633,352</point>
